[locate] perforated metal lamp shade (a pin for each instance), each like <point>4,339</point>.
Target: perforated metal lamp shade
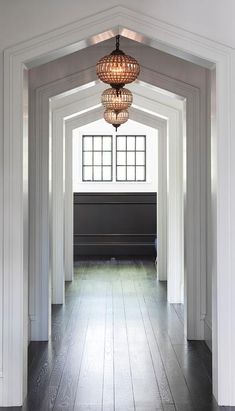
<point>114,99</point>
<point>117,69</point>
<point>116,118</point>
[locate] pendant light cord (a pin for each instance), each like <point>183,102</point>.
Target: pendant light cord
<point>117,42</point>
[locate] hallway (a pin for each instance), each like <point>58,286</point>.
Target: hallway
<point>118,345</point>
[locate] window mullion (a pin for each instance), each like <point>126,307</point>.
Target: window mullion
<point>126,157</point>
<point>92,158</point>
<point>102,171</point>
<point>135,158</point>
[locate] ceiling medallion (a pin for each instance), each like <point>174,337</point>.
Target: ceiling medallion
<point>117,69</point>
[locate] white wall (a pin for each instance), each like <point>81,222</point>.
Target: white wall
<point>101,127</point>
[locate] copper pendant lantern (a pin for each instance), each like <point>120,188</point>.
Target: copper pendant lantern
<point>117,69</point>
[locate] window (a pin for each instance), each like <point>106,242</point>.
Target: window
<point>97,158</point>
<point>130,158</point>
<point>97,154</point>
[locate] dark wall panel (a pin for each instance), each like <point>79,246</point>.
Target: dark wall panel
<point>114,224</point>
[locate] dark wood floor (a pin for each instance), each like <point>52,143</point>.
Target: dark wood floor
<point>118,345</point>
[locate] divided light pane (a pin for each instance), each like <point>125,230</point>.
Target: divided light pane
<point>107,159</point>
<point>87,143</point>
<point>87,158</point>
<point>140,158</point>
<point>121,143</point>
<point>131,158</point>
<point>87,173</point>
<point>140,173</point>
<point>121,173</point>
<point>107,143</point>
<point>130,143</point>
<point>97,173</point>
<point>97,143</point>
<point>130,173</point>
<point>107,174</point>
<point>121,158</point>
<point>140,143</point>
<point>97,158</point>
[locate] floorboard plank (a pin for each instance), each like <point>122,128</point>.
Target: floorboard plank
<point>90,383</point>
<point>108,399</point>
<point>143,375</point>
<point>124,396</point>
<point>68,385</point>
<point>160,373</point>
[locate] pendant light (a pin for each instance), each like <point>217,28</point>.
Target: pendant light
<point>114,99</point>
<point>117,69</point>
<point>116,118</point>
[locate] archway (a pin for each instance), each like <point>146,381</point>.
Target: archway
<point>15,177</point>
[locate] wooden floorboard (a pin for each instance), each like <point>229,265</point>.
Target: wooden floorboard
<point>117,345</point>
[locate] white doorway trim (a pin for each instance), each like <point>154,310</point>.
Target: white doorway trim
<point>59,42</point>
<point>194,216</point>
<point>141,117</point>
<point>62,109</point>
<point>161,126</point>
<point>39,325</point>
<point>69,125</point>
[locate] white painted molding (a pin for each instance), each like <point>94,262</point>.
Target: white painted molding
<point>61,42</point>
<point>196,268</point>
<point>175,183</point>
<point>208,333</point>
<point>40,264</point>
<point>57,212</point>
<point>62,200</point>
<point>68,207</point>
<point>162,255</point>
<point>161,126</point>
<point>195,200</point>
<point>174,197</point>
<point>195,331</point>
<point>39,258</point>
<point>144,118</point>
<point>71,124</point>
<point>175,238</point>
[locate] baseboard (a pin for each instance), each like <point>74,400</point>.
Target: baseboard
<point>114,249</point>
<point>86,257</point>
<point>34,330</point>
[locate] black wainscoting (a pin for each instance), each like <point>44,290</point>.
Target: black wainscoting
<point>114,224</point>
